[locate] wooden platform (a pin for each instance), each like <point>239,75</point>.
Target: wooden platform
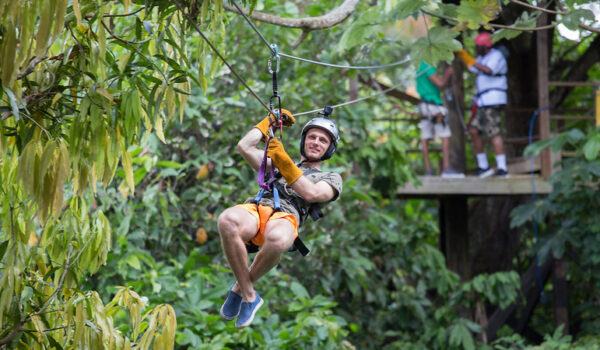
<point>435,187</point>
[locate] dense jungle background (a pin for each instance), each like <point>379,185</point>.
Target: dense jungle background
<point>118,152</point>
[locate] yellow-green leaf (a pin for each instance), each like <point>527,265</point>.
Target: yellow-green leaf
<point>61,10</point>
<point>43,32</point>
<point>9,49</point>
<point>123,61</point>
<point>105,93</point>
<point>77,11</point>
<point>56,98</point>
<point>127,167</point>
<point>158,125</point>
<point>39,327</point>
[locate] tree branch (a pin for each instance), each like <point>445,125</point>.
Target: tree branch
<point>302,36</point>
<point>126,14</point>
<point>394,93</point>
<point>31,67</point>
<point>524,4</point>
<point>590,28</point>
<point>331,19</point>
<point>493,25</point>
<point>576,71</point>
<point>114,36</point>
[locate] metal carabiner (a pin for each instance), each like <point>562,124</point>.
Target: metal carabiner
<point>277,121</point>
<point>275,54</point>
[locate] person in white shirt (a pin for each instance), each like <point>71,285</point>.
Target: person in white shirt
<point>490,99</point>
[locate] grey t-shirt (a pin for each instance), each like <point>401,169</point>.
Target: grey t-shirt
<point>333,179</point>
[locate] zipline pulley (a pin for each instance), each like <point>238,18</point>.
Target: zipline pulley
<point>274,54</point>
<point>327,110</point>
<point>275,100</point>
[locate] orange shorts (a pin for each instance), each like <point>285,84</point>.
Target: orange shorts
<point>265,216</point>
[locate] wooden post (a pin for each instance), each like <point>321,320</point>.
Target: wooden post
<point>559,295</point>
<point>543,94</point>
<point>454,98</point>
<point>453,214</point>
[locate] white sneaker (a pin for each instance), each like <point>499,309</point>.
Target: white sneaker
<point>450,173</point>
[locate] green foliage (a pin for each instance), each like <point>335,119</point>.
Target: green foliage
<point>79,87</point>
<point>89,97</point>
<point>477,12</point>
<point>438,45</point>
<point>360,29</point>
<point>571,229</point>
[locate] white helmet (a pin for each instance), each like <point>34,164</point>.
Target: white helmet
<point>328,126</point>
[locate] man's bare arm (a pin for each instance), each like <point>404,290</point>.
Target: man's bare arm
<point>483,68</point>
<point>313,192</point>
<point>247,147</point>
<point>441,82</point>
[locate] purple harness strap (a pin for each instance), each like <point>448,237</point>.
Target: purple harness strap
<point>263,169</point>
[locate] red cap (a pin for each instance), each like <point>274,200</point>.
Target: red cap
<point>484,39</point>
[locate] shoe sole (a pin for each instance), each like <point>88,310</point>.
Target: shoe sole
<point>225,317</point>
<point>247,323</point>
<point>487,173</point>
<point>453,176</point>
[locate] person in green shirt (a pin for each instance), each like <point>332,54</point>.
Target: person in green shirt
<point>433,116</point>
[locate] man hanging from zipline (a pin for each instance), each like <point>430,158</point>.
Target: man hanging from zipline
<point>271,219</point>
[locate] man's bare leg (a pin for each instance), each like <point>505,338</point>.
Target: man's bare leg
<point>497,144</point>
<point>279,237</point>
<point>425,148</point>
<point>445,152</point>
<point>477,140</point>
<point>237,226</point>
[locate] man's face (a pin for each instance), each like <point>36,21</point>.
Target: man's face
<point>481,50</point>
<point>316,143</point>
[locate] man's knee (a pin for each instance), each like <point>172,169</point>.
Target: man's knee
<point>230,222</point>
<point>278,239</point>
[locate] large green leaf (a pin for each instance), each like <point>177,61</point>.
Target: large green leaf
<point>438,45</point>
<point>360,30</point>
<point>477,12</point>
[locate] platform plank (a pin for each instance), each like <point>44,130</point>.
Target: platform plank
<point>435,186</point>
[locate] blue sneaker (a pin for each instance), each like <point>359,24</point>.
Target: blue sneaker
<point>231,306</point>
<point>248,311</point>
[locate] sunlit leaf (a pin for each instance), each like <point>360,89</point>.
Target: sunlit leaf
<point>438,45</point>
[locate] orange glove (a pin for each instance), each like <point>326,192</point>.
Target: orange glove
<point>287,119</point>
<point>465,57</point>
<point>283,162</point>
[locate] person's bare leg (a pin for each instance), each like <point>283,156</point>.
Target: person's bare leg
<point>497,144</point>
<point>279,237</point>
<point>237,226</point>
<point>477,140</point>
<point>445,152</point>
<point>425,148</point>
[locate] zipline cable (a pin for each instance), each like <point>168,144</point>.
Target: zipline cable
<point>381,66</point>
<point>352,101</point>
<point>377,87</point>
<point>210,44</point>
<point>307,60</point>
<point>182,9</point>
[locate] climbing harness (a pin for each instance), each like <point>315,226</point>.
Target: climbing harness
<point>270,183</point>
<point>475,106</point>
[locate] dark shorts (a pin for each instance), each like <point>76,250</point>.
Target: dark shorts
<point>488,120</point>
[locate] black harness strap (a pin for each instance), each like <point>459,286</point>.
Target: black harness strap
<point>487,90</point>
<point>314,210</point>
